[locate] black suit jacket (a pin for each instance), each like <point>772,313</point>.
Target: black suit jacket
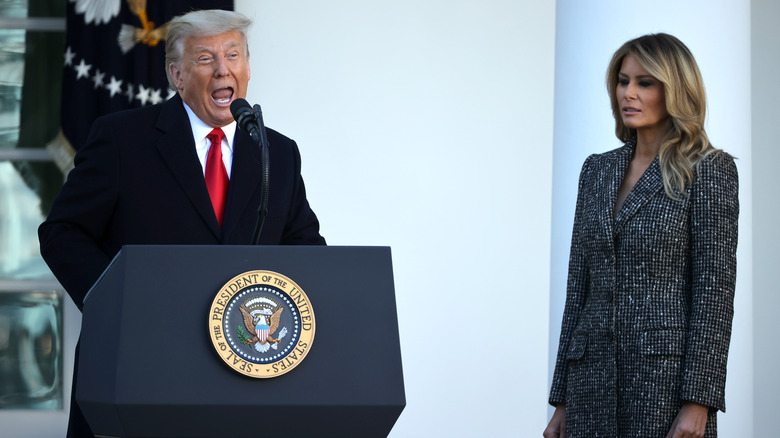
<point>139,181</point>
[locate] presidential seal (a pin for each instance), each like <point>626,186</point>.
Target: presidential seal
<point>261,324</point>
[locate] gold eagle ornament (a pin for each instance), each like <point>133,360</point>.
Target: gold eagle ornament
<point>147,34</point>
<point>254,322</point>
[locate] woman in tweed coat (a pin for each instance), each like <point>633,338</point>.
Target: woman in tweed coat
<point>649,304</point>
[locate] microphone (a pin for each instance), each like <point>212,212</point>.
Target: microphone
<point>246,118</point>
<point>251,120</point>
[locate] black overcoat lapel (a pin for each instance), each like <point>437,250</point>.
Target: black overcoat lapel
<point>177,148</point>
<point>245,178</point>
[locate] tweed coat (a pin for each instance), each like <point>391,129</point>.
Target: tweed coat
<point>649,303</point>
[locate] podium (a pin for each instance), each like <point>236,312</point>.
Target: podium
<point>147,366</point>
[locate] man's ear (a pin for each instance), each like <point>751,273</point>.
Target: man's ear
<point>175,72</point>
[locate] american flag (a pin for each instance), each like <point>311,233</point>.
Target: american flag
<point>102,73</point>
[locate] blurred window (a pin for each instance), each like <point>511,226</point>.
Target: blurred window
<point>32,40</point>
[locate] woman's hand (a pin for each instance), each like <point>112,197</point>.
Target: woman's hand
<point>557,426</point>
<point>690,421</point>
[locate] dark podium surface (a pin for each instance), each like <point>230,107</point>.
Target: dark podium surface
<point>147,367</point>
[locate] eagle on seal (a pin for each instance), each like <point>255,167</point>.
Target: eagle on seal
<point>263,323</point>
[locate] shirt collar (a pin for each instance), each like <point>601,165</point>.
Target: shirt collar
<point>200,129</point>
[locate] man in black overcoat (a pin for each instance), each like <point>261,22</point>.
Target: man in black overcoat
<point>141,177</point>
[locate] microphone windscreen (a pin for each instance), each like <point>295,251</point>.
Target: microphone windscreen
<point>237,106</point>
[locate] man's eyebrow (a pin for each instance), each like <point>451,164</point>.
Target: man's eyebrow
<point>230,45</point>
<point>201,49</point>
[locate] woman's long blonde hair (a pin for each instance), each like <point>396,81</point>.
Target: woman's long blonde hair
<point>668,60</point>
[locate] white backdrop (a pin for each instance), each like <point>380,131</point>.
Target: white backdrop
<point>427,127</point>
<point>765,114</point>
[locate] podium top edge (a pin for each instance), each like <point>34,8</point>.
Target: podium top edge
<point>259,246</point>
<point>135,251</point>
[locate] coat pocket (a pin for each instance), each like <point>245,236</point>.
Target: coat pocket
<point>577,346</point>
<point>668,342</point>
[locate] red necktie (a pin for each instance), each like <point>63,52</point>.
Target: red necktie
<point>216,175</point>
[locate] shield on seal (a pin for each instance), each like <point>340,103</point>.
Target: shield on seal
<point>263,331</point>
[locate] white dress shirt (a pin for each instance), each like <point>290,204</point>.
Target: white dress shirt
<point>199,132</point>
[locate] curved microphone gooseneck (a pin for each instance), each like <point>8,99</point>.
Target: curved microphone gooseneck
<point>251,121</point>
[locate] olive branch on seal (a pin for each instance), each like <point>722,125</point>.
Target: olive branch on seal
<point>242,335</point>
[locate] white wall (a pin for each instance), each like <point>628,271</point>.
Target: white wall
<point>766,211</point>
<point>427,126</point>
<point>587,35</point>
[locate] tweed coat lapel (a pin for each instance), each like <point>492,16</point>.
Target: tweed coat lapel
<point>648,185</point>
<point>615,171</point>
<point>177,148</point>
<point>245,179</point>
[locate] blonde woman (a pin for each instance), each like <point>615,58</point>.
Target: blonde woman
<point>649,304</point>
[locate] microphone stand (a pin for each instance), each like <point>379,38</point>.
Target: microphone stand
<point>265,168</point>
